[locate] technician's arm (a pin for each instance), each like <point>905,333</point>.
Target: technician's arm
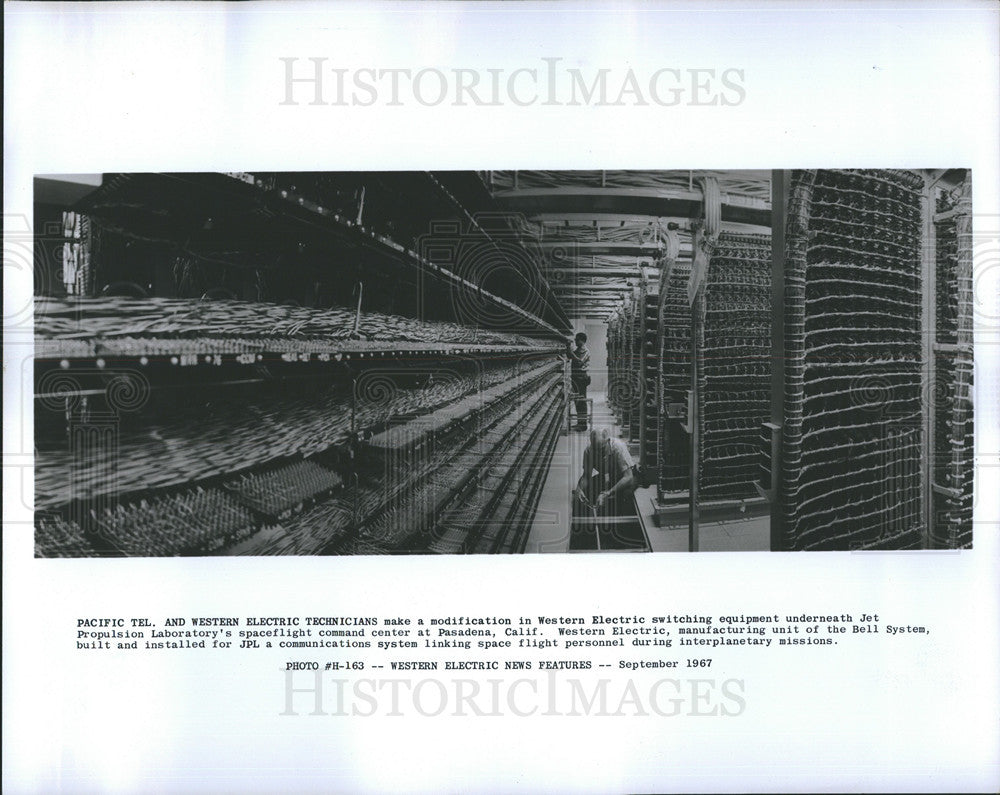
<point>627,483</point>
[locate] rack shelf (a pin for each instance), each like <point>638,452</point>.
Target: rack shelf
<point>266,216</point>
<point>259,467</point>
<point>105,333</point>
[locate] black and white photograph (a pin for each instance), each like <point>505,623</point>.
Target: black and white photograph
<point>466,396</point>
<point>461,362</point>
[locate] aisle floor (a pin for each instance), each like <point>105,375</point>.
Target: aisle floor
<point>550,531</point>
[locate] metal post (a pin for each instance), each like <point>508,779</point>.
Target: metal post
<point>361,207</point>
<point>928,373</point>
<point>694,511</point>
<point>356,334</point>
<point>780,184</point>
<point>641,392</point>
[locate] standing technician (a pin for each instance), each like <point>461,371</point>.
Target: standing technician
<point>579,376</point>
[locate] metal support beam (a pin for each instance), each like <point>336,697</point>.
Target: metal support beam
<point>590,248</point>
<point>607,298</point>
<point>605,219</point>
<point>596,290</point>
<point>607,273</point>
<point>612,269</point>
<point>592,283</point>
<point>694,507</point>
<point>928,373</point>
<point>656,203</point>
<point>780,187</point>
<point>606,282</point>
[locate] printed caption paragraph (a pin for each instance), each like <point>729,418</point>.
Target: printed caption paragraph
<point>414,634</point>
<point>660,665</point>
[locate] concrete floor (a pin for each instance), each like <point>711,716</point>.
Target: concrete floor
<point>551,527</point>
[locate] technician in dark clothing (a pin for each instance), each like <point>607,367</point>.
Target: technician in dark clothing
<point>579,376</point>
<point>608,480</point>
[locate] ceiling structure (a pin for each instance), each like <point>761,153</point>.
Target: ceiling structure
<point>597,234</point>
<point>592,235</point>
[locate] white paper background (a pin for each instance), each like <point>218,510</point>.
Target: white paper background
<point>129,87</point>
